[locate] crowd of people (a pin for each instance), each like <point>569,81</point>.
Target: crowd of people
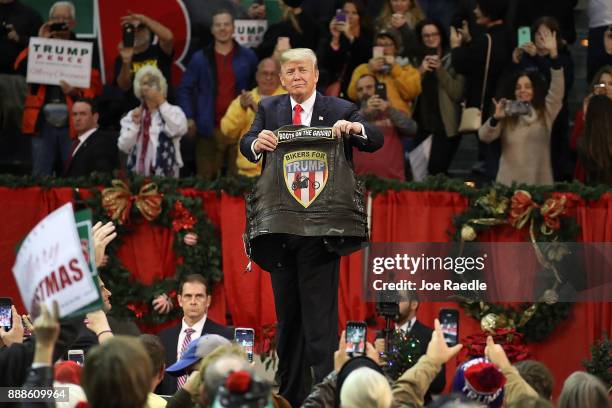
<point>417,71</point>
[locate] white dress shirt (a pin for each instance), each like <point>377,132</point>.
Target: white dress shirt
<point>406,327</point>
<point>83,138</point>
<point>195,335</point>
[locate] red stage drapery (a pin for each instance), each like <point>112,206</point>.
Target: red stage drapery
<point>404,216</point>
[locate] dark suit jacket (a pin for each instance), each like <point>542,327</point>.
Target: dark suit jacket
<point>98,153</point>
<point>169,338</point>
<point>275,112</point>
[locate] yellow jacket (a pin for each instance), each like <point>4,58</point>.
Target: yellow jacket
<point>235,123</point>
<point>403,84</point>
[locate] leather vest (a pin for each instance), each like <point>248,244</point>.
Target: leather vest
<point>307,188</point>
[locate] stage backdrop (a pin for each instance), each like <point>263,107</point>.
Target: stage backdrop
<point>404,216</point>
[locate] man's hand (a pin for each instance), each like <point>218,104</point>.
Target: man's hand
<point>345,127</point>
<point>135,19</point>
<point>162,304</point>
<point>375,102</point>
<point>15,335</point>
<point>126,53</point>
<point>12,33</point>
<point>246,99</point>
<point>102,235</point>
<point>45,30</point>
<point>379,345</point>
<point>437,349</point>
<point>266,140</point>
<point>67,89</point>
<point>191,128</point>
<point>496,354</point>
<point>549,40</point>
<point>500,109</point>
<point>46,326</point>
<point>372,353</point>
<point>341,356</point>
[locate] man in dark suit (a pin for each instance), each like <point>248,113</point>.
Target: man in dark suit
<point>94,150</point>
<point>194,298</point>
<point>305,279</point>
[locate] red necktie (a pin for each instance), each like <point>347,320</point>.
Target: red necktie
<point>180,382</point>
<point>75,144</point>
<point>297,117</point>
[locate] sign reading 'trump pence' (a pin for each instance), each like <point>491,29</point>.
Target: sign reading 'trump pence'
<point>51,61</point>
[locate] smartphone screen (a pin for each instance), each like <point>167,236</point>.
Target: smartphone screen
<point>6,313</point>
<point>245,338</point>
<point>356,338</point>
<point>340,16</point>
<point>524,35</point>
<point>378,51</point>
<point>449,320</point>
<point>128,35</point>
<point>78,356</point>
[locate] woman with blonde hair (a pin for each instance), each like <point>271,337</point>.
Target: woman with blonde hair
<point>151,133</point>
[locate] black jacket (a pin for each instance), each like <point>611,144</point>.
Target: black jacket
<point>169,338</point>
<point>98,153</point>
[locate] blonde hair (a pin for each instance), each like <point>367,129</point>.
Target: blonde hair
<point>155,72</point>
<point>298,54</point>
<point>365,388</point>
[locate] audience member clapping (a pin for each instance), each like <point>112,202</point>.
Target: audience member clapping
<point>150,134</point>
<point>402,81</point>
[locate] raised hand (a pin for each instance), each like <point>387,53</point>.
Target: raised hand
<point>437,349</point>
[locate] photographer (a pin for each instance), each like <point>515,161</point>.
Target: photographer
<point>524,119</point>
<point>394,124</point>
<point>137,50</point>
<point>46,114</point>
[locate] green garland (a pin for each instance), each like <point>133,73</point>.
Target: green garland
<point>132,299</point>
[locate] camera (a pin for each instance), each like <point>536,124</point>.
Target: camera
<point>517,108</point>
<point>58,27</point>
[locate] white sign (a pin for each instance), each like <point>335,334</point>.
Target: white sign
<point>249,33</point>
<point>50,266</point>
<point>51,61</point>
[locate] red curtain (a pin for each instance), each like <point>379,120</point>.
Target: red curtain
<point>404,216</point>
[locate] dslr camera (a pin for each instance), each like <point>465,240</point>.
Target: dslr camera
<point>517,108</point>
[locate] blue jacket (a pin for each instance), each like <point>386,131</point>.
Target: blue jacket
<point>196,93</point>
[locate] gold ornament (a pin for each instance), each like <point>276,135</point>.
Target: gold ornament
<point>489,323</point>
<point>468,233</point>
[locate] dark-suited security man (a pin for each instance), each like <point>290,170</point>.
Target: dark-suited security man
<point>304,269</point>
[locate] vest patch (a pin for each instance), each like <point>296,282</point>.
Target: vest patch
<point>305,173</point>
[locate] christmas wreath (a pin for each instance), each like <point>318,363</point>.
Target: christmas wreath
<point>196,246</point>
<point>543,218</point>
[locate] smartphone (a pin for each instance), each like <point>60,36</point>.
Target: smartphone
<point>524,35</point>
<point>340,16</point>
<point>356,338</point>
<point>378,51</point>
<point>6,313</point>
<point>381,90</point>
<point>599,89</point>
<point>449,320</point>
<point>128,35</point>
<point>58,27</point>
<point>78,356</point>
<point>245,338</point>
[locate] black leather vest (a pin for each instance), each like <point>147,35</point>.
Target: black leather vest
<point>307,188</point>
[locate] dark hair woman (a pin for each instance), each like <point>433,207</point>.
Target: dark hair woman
<point>523,120</point>
<point>595,148</point>
<point>348,46</point>
<point>438,107</point>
